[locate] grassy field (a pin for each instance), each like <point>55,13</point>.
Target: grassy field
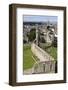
<point>28,61</point>
<point>50,49</point>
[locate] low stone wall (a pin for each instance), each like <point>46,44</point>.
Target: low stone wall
<point>40,53</point>
<point>46,63</point>
<point>44,67</point>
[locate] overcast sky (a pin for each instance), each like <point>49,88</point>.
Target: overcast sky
<point>38,18</point>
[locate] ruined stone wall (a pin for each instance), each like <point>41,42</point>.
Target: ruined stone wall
<point>46,63</point>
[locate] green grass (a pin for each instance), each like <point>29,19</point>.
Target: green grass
<point>52,51</point>
<point>36,58</point>
<point>28,61</point>
<point>49,49</point>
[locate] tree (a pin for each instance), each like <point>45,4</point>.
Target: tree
<point>54,43</point>
<point>32,34</point>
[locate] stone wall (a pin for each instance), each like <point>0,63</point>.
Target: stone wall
<point>46,63</point>
<point>44,67</point>
<point>40,53</point>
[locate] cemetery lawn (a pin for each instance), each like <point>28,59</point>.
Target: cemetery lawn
<point>28,61</point>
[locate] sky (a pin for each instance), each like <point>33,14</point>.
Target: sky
<point>39,18</point>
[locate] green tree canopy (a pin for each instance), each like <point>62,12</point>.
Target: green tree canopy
<point>32,34</point>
